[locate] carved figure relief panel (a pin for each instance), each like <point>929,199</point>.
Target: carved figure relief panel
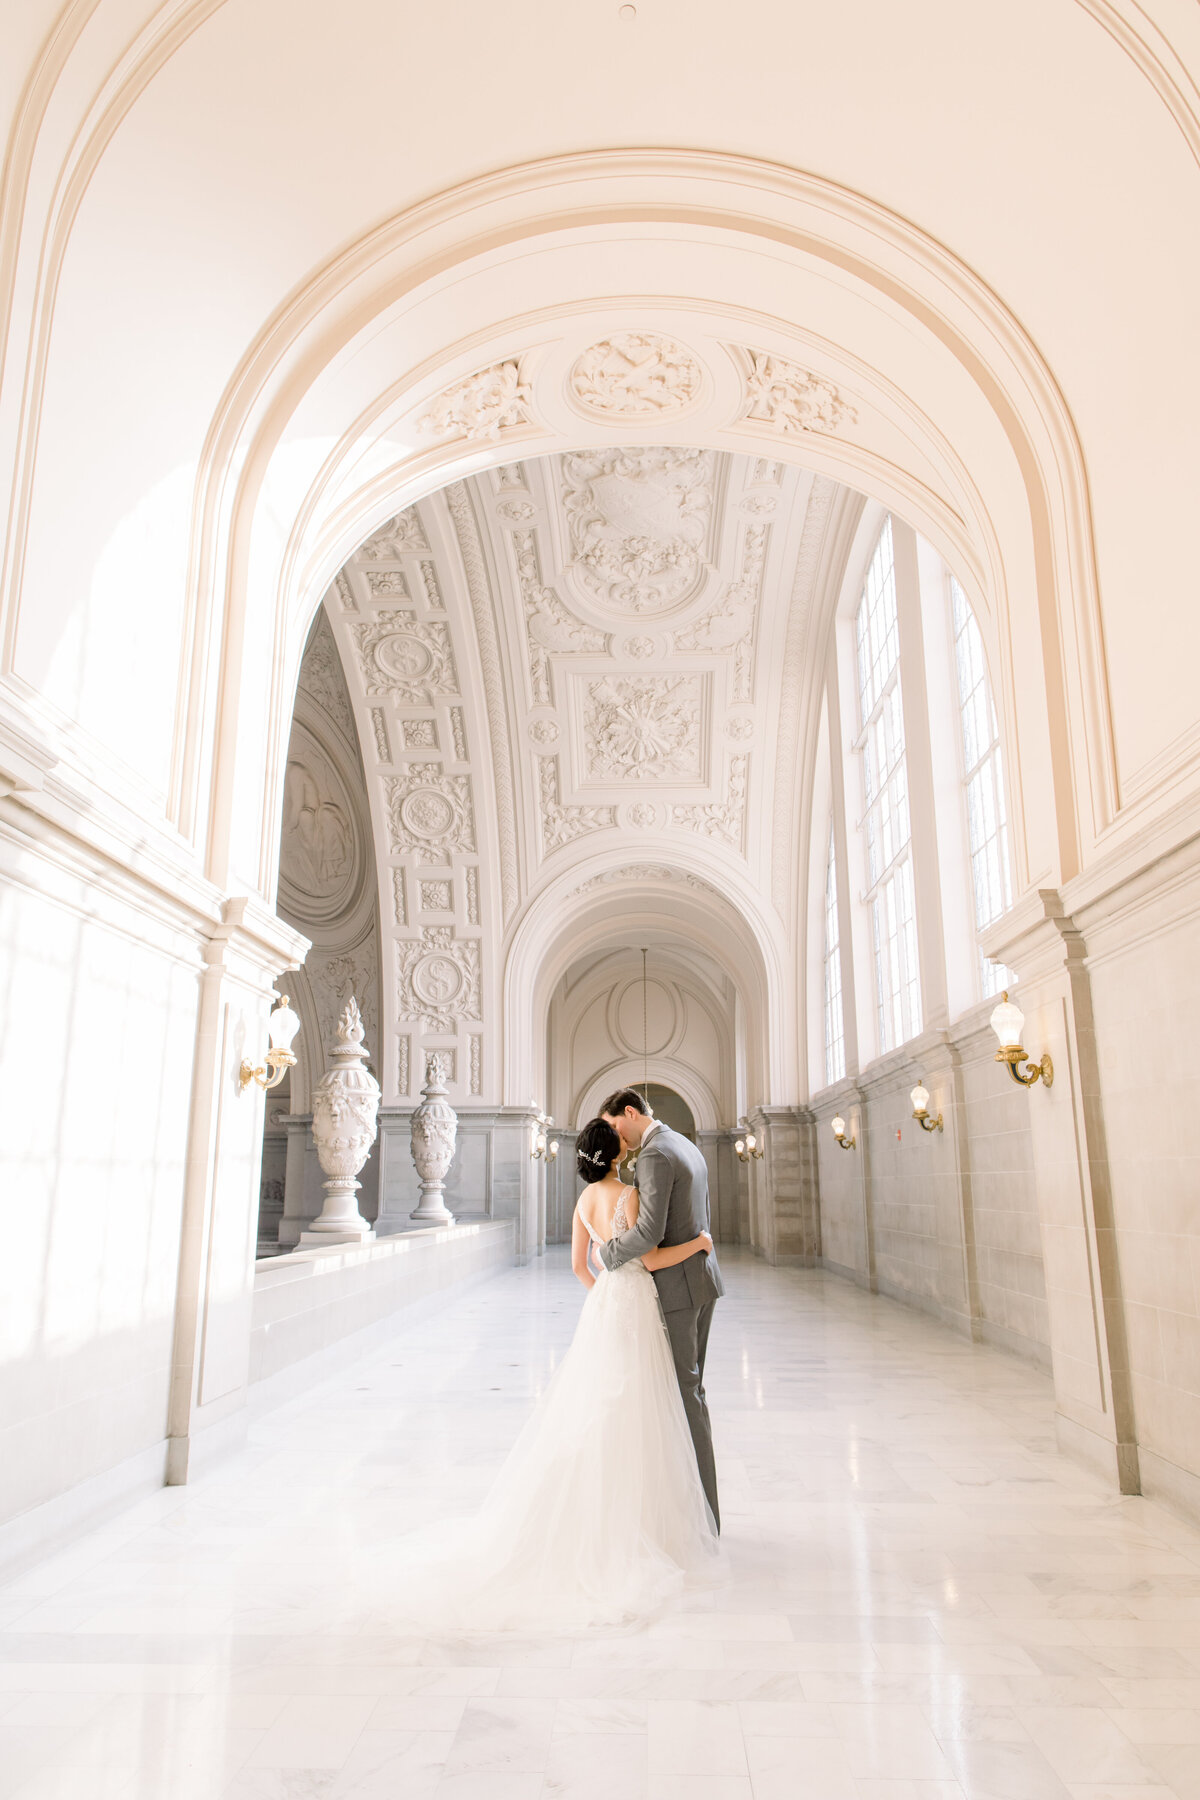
<point>321,848</point>
<point>327,882</point>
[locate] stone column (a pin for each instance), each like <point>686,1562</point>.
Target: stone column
<point>785,1184</point>
<point>717,1149</point>
<point>298,1210</point>
<point>516,1177</point>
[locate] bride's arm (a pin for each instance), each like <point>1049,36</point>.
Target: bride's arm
<point>666,1259</point>
<point>580,1242</point>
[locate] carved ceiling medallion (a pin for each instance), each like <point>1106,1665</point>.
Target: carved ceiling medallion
<point>429,812</point>
<point>410,662</point>
<point>644,728</point>
<point>639,522</point>
<point>635,375</point>
<point>439,979</point>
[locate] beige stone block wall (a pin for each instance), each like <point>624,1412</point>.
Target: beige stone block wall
<point>846,1243</point>
<point>947,1221</point>
<point>1010,1274</point>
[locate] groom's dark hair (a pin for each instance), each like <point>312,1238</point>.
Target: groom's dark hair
<point>616,1103</point>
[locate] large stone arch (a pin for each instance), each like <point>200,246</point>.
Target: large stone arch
<point>1017,526</point>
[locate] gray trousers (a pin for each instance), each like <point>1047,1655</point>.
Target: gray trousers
<point>688,1331</point>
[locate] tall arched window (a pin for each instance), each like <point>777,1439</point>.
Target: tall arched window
<point>835,1039</point>
<point>886,819</point>
<point>983,781</point>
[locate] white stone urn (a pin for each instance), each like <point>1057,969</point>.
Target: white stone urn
<point>434,1130</point>
<point>345,1108</point>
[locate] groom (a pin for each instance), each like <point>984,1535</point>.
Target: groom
<point>672,1184</point>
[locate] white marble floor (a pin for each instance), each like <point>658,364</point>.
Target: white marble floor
<point>928,1602</point>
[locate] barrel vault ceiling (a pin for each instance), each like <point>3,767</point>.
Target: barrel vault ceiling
<point>597,667</point>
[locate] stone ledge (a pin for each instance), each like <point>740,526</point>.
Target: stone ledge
<point>316,1309</point>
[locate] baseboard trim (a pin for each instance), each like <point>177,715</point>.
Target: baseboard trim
<point>48,1528</point>
<point>1116,1464</point>
<point>858,1277</point>
<point>956,1322</point>
<point>1170,1485</point>
<point>1001,1338</point>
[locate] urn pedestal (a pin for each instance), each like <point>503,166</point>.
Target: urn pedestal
<point>434,1130</point>
<point>345,1106</point>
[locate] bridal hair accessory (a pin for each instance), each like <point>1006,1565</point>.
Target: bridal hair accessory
<point>596,1149</point>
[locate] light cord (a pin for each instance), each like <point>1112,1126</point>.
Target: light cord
<point>645,1033</point>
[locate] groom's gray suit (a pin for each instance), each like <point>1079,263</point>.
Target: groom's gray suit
<point>672,1184</point>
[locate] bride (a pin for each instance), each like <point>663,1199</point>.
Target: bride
<point>598,1515</point>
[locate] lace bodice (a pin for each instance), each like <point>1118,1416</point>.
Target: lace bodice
<point>620,1220</point>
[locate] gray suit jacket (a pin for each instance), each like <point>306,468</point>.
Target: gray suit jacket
<point>672,1184</point>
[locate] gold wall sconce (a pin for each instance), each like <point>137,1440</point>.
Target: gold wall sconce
<point>747,1146</point>
<point>545,1148</point>
<point>282,1027</point>
<point>838,1127</point>
<point>920,1106</point>
<point>1007,1022</point>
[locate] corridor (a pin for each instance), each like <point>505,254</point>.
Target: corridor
<point>926,1601</point>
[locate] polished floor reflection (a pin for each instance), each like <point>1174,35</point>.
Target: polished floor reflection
<point>926,1602</point>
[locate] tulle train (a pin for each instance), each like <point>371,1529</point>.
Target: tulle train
<point>598,1516</point>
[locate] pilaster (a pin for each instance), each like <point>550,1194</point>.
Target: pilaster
<point>1095,1417</point>
<point>210,1366</point>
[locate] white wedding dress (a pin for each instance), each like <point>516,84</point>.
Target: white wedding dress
<point>598,1516</point>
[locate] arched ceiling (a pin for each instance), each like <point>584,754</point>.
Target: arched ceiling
<point>583,672</point>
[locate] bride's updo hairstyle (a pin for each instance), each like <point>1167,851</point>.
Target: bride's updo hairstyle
<point>596,1149</point>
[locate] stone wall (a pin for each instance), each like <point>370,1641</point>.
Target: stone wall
<point>944,1220</point>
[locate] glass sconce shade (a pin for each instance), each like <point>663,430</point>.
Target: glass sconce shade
<point>747,1148</point>
<point>542,1149</point>
<point>839,1131</point>
<point>1007,1022</point>
<point>920,1109</point>
<point>283,1025</point>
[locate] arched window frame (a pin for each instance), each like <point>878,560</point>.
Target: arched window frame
<point>835,1027</point>
<point>885,826</point>
<point>982,784</point>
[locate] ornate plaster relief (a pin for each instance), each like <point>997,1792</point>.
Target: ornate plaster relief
<point>481,405</point>
<point>640,521</point>
<point>635,375</point>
